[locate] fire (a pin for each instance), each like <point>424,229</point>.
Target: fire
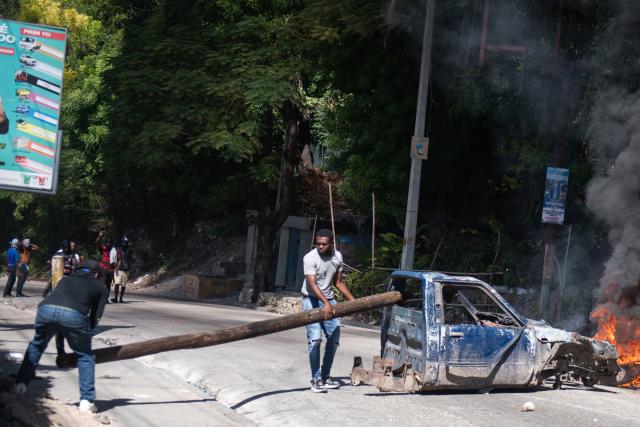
<point>623,332</point>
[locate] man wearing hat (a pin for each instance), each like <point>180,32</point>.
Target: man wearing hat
<point>72,311</point>
<point>12,265</point>
<point>25,248</point>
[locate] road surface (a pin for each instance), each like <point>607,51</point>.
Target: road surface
<point>265,380</point>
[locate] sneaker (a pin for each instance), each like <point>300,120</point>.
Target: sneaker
<point>317,386</point>
<point>20,295</point>
<point>86,406</point>
<point>114,300</point>
<point>19,389</point>
<point>331,383</point>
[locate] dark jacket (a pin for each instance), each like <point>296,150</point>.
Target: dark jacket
<point>80,292</point>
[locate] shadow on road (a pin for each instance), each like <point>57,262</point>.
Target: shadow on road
<point>6,327</point>
<point>539,389</point>
<point>344,381</point>
<point>129,301</point>
<point>105,405</point>
<point>266,394</point>
<point>105,328</point>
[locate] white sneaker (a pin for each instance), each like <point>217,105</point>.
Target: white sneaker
<point>86,406</point>
<point>19,389</point>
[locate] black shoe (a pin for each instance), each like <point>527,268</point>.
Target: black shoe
<point>114,300</point>
<point>20,295</point>
<point>7,296</point>
<point>120,301</point>
<point>317,386</point>
<point>331,383</point>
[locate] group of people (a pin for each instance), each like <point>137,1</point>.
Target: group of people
<point>18,259</point>
<point>74,309</point>
<point>115,261</point>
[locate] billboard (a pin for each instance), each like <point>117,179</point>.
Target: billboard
<point>31,72</point>
<point>555,195</point>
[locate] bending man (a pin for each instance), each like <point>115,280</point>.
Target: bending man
<point>73,311</point>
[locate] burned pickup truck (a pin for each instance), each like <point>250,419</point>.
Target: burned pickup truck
<point>453,332</point>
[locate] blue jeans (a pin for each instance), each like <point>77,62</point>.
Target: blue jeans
<point>24,273</point>
<point>11,280</point>
<point>331,329</point>
<point>74,326</point>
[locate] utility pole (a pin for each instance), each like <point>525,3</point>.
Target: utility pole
<point>562,77</point>
<point>411,218</point>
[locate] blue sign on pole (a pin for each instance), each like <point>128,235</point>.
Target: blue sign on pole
<point>31,72</point>
<point>555,195</point>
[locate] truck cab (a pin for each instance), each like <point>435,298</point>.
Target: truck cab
<point>457,332</point>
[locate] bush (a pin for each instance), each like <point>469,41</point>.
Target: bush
<point>365,284</point>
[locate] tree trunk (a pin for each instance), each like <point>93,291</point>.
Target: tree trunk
<point>271,215</point>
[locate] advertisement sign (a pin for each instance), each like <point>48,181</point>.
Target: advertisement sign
<point>419,147</point>
<point>31,69</point>
<point>555,195</point>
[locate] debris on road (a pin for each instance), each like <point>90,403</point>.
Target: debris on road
<point>14,357</point>
<point>528,407</point>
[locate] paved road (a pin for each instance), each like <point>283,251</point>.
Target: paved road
<point>265,380</point>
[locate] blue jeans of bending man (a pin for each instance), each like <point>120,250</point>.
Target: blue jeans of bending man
<point>75,327</point>
<point>331,330</point>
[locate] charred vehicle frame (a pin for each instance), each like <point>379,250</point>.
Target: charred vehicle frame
<point>453,332</point>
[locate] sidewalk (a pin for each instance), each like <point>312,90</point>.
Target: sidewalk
<point>129,392</point>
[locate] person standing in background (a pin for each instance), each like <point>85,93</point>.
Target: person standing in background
<point>25,248</point>
<point>105,261</point>
<point>121,275</point>
<point>12,265</point>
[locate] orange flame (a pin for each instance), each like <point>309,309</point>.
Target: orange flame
<point>622,332</point>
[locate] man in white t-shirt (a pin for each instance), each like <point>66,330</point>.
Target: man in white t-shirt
<point>323,269</point>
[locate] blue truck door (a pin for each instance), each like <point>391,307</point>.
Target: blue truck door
<point>473,344</point>
<point>483,345</point>
<point>403,327</point>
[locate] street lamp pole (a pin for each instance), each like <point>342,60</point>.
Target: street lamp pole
<point>411,218</point>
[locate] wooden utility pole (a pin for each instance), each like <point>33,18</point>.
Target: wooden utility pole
<point>249,330</point>
<point>333,223</point>
<point>562,77</point>
<point>373,230</point>
<point>57,270</point>
<point>485,29</point>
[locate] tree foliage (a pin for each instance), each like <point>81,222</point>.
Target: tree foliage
<point>174,114</point>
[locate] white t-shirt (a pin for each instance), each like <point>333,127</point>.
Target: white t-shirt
<point>113,256</point>
<point>324,267</point>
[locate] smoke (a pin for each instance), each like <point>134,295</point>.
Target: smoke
<point>615,198</point>
<point>613,195</point>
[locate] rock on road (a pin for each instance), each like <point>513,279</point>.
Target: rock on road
<point>265,380</point>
